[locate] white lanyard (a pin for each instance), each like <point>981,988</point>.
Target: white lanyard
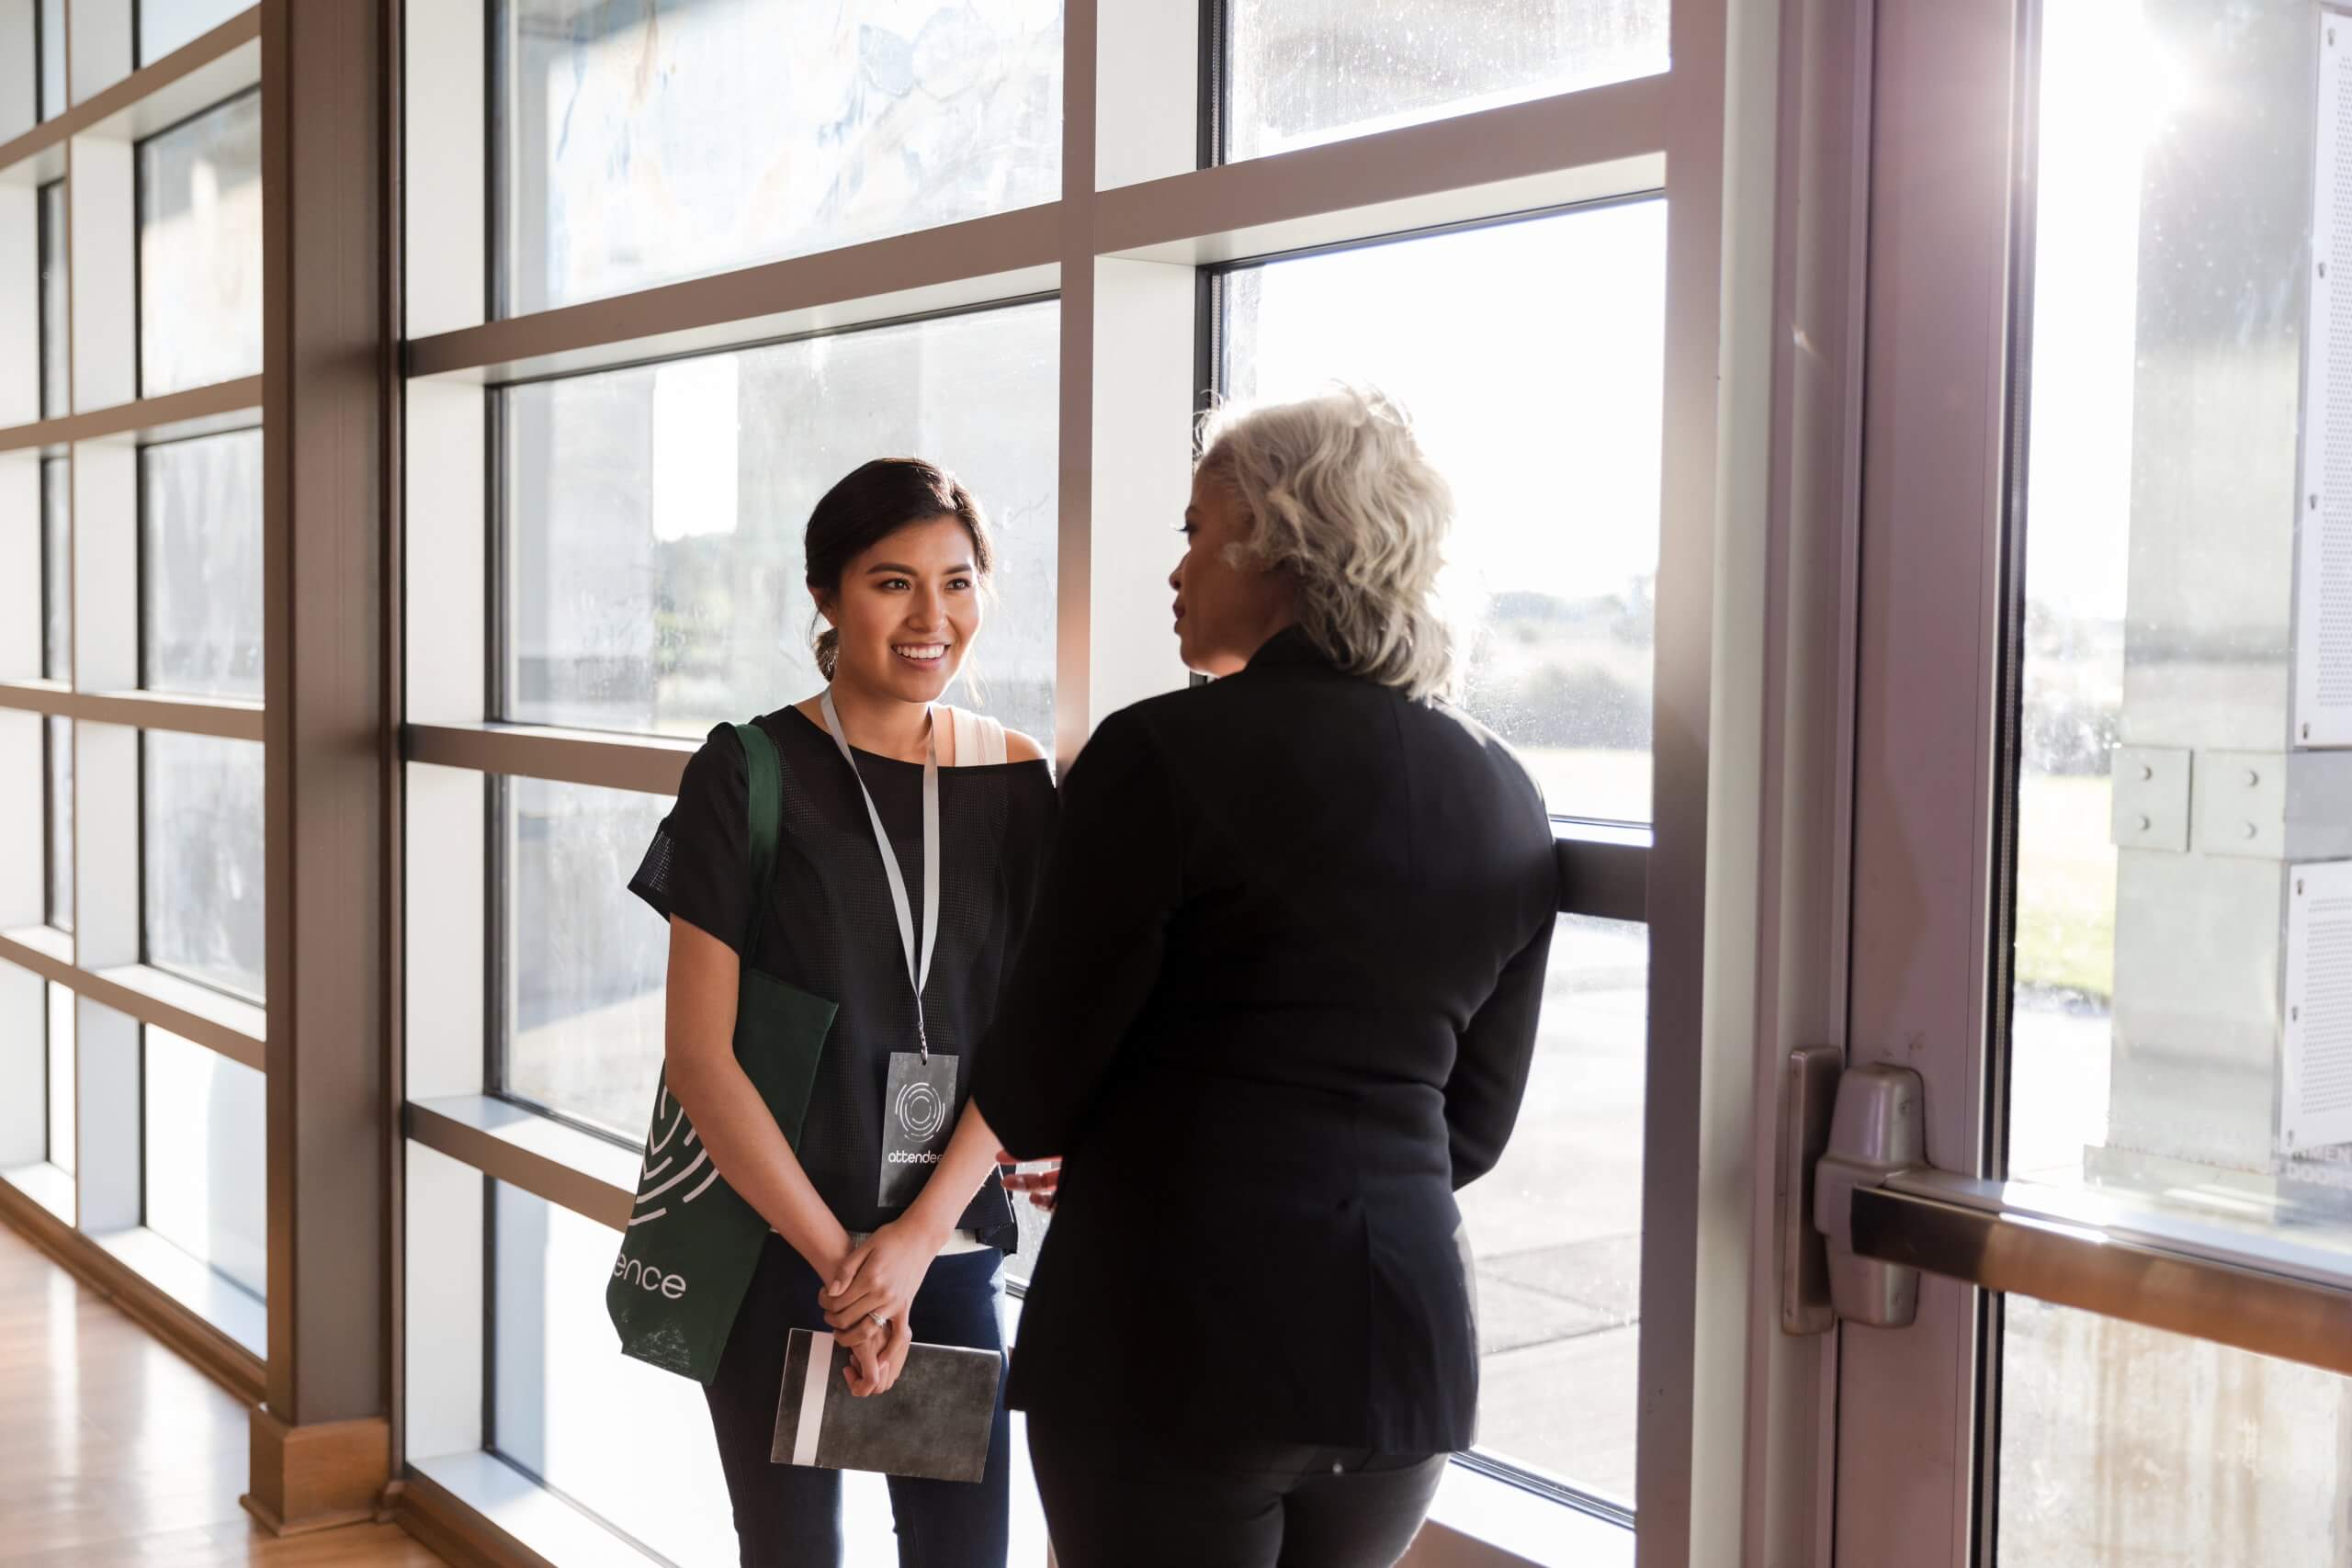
<point>918,965</point>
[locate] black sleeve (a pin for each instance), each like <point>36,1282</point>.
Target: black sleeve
<point>1491,1063</point>
<point>1092,951</point>
<point>699,865</point>
<point>1029,834</point>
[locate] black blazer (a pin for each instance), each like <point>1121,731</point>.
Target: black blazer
<point>1276,1004</point>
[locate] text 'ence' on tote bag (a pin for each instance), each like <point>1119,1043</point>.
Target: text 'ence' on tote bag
<point>692,1242</point>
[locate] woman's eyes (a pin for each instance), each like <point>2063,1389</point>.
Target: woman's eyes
<point>897,584</point>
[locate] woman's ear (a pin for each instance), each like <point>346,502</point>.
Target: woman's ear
<point>824,606</point>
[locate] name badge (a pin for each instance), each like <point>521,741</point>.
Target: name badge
<point>918,1119</point>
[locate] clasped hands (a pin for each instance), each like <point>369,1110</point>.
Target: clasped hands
<point>866,1300</point>
<point>878,1277</point>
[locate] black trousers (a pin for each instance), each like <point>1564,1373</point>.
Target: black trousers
<point>790,1516</point>
<point>1125,1499</point>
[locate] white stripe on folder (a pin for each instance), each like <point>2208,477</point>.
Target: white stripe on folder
<point>813,1384</point>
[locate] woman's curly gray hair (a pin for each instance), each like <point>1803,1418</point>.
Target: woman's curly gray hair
<point>1340,496</point>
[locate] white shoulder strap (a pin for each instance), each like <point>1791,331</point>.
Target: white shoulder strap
<point>979,739</point>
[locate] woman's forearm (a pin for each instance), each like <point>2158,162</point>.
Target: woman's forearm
<point>750,1150</point>
<point>969,1157</point>
<point>730,1118</point>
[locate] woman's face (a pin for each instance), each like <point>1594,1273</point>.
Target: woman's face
<point>1224,613</point>
<point>907,611</point>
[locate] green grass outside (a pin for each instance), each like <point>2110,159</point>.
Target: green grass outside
<point>2065,932</point>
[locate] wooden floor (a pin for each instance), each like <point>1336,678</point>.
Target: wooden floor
<point>114,1450</point>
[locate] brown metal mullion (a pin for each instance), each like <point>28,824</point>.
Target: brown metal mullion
<point>225,718</point>
<point>320,1440</point>
<point>649,766</point>
<point>1603,878</point>
<point>278,685</point>
<point>1001,243</point>
<point>391,326</point>
<point>1591,126</point>
<point>200,406</point>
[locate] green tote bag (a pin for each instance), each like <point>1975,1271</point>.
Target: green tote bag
<point>692,1242</point>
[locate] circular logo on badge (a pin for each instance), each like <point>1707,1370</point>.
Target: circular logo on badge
<point>921,1113</point>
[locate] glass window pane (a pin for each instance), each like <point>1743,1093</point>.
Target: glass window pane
<point>201,814</point>
<point>60,822</point>
<point>652,565</point>
<point>566,1406</point>
<point>1556,1226</point>
<point>53,58</point>
<point>199,250</point>
<point>56,569</point>
<point>2123,1447</point>
<point>54,360</point>
<point>205,1158</point>
<point>2175,1035</point>
<point>585,962</point>
<point>201,573</point>
<point>1304,72</point>
<point>2148,1047</point>
<point>165,25</point>
<point>1558,350</point>
<point>61,1077</point>
<point>648,141</point>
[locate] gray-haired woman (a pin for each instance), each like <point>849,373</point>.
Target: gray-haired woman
<point>1278,1003</point>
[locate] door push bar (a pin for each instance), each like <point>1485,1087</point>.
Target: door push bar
<point>1864,1214</point>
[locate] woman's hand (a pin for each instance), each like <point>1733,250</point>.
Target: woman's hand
<point>1043,1186</point>
<point>878,1279</point>
<point>873,1368</point>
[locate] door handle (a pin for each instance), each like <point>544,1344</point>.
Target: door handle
<point>1845,1129</point>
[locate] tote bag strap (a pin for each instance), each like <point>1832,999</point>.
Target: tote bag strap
<point>764,779</point>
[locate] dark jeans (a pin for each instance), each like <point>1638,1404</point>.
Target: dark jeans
<point>790,1516</point>
<point>1122,1499</point>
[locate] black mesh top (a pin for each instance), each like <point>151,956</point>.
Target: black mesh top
<point>831,929</point>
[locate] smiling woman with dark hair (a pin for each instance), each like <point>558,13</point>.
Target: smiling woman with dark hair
<point>1279,1004</point>
<point>897,554</point>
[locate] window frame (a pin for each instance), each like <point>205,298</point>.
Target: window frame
<point>1106,244</point>
<point>84,152</point>
<point>1622,845</point>
<point>1162,207</point>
